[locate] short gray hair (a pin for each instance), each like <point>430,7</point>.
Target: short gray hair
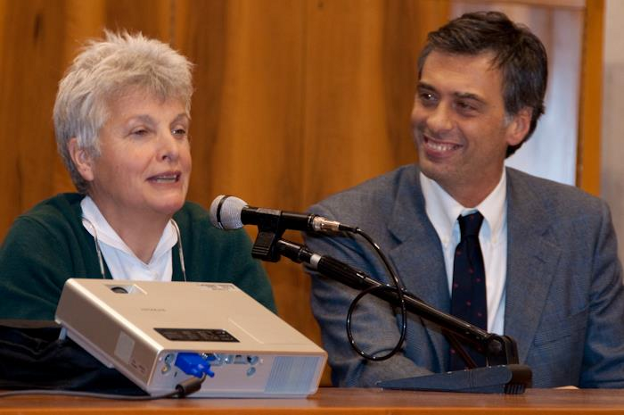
<point>103,70</point>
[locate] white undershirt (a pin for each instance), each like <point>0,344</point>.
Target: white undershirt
<point>122,262</point>
<point>443,212</point>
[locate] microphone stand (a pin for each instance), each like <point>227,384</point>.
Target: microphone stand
<point>503,373</point>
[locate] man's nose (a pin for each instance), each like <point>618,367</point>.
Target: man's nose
<point>440,119</point>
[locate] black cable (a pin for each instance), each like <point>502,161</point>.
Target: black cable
<point>399,290</point>
<point>85,394</point>
<point>183,389</point>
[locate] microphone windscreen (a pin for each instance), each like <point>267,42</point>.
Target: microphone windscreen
<point>225,212</point>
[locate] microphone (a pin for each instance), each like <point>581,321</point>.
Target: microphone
<point>230,212</point>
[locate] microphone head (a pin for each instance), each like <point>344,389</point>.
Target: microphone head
<point>225,212</point>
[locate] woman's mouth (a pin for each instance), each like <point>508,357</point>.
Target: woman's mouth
<point>165,178</point>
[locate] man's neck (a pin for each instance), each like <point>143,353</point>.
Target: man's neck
<point>470,195</point>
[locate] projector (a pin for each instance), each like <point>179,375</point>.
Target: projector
<point>160,334</point>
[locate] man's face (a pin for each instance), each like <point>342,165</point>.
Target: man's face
<point>460,126</point>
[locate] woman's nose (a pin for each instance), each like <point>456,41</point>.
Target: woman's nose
<point>169,146</point>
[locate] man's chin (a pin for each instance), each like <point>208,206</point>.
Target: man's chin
<point>432,170</point>
<point>438,173</point>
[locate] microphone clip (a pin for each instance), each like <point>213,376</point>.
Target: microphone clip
<point>270,231</point>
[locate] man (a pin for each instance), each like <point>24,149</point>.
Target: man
<point>553,281</point>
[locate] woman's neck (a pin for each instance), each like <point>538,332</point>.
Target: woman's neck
<point>142,239</point>
<point>140,231</point>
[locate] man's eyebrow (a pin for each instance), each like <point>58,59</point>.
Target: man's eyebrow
<point>424,85</point>
<point>460,95</point>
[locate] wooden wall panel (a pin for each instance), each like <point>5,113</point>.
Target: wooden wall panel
<point>295,99</point>
<point>82,20</point>
<point>345,134</point>
<point>30,65</point>
<point>247,115</point>
<point>360,80</point>
<point>153,18</point>
<point>246,111</point>
<point>588,159</point>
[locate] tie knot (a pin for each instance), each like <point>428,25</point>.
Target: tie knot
<point>469,225</point>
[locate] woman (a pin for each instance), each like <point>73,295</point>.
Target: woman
<point>121,118</point>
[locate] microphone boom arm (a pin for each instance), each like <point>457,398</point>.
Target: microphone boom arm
<point>499,350</point>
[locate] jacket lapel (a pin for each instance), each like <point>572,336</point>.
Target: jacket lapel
<point>531,259</point>
<point>418,257</point>
<point>532,256</point>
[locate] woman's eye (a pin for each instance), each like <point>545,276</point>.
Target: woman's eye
<point>179,132</point>
<point>139,132</point>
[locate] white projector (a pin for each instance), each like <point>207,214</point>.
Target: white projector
<point>148,331</point>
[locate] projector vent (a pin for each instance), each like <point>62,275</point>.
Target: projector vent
<point>292,375</point>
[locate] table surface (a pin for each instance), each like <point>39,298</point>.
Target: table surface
<point>338,400</point>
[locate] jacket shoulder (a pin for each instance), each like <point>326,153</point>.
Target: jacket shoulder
<point>372,198</point>
<point>556,197</point>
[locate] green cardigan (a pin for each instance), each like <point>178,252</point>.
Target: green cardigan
<point>49,244</point>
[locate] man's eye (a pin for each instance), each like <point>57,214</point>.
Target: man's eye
<point>179,132</point>
<point>427,98</point>
<point>465,106</point>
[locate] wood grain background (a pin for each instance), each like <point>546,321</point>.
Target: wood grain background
<point>295,99</point>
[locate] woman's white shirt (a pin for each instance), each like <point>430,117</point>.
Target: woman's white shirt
<point>122,262</point>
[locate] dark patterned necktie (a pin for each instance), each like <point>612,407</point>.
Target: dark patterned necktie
<point>468,297</point>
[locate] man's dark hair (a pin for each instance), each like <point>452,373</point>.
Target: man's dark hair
<point>518,53</point>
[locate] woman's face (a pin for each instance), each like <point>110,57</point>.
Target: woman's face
<point>143,169</point>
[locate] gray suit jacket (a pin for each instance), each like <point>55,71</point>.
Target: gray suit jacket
<point>565,297</point>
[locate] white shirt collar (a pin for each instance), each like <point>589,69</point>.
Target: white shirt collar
<point>107,235</point>
<point>443,210</point>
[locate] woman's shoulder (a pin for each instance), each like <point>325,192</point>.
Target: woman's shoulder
<point>61,209</point>
<point>193,216</point>
<point>192,210</point>
<point>46,229</point>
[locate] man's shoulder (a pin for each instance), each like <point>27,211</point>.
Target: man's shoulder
<point>375,189</point>
<point>371,198</point>
<point>552,194</point>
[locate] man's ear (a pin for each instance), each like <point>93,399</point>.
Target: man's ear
<point>519,126</point>
<point>81,158</point>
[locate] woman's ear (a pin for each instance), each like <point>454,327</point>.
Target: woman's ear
<point>81,158</point>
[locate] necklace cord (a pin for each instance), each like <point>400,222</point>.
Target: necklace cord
<point>101,259</point>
